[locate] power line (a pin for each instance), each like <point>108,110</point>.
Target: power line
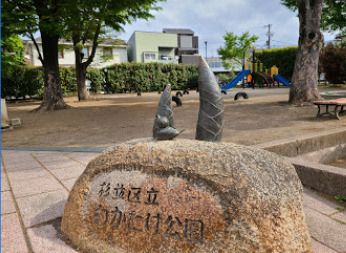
<point>284,42</point>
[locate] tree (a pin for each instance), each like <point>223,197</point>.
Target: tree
<point>29,16</point>
<point>333,14</point>
<point>11,58</point>
<point>236,48</point>
<point>333,63</point>
<point>85,21</point>
<point>305,74</point>
<point>313,15</point>
<point>12,51</point>
<point>56,19</point>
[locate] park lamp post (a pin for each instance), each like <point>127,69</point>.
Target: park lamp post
<point>253,58</point>
<point>206,49</point>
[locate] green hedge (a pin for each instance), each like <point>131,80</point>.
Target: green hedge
<point>68,81</point>
<point>97,79</point>
<point>19,81</point>
<point>283,58</point>
<point>333,63</point>
<point>141,77</point>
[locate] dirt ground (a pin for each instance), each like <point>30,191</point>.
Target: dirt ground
<point>109,119</point>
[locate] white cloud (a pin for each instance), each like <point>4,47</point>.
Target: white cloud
<point>210,20</point>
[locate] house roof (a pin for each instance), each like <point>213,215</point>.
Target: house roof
<point>102,42</point>
<point>111,41</point>
<point>178,30</point>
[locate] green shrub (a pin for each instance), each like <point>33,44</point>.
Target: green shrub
<point>10,82</point>
<point>333,63</point>
<point>34,82</point>
<point>141,77</point>
<point>68,81</point>
<point>97,79</point>
<point>283,58</point>
<point>19,81</point>
<point>225,77</point>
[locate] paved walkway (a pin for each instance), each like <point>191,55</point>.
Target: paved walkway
<point>35,187</point>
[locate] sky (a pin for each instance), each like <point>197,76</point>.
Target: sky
<point>211,19</point>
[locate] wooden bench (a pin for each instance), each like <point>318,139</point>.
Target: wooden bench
<point>338,104</point>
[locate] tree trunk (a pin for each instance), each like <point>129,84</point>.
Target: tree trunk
<point>52,97</point>
<point>81,76</point>
<point>83,93</point>
<point>305,74</point>
<point>81,67</point>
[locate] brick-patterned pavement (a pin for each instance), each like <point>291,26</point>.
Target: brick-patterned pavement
<point>35,187</point>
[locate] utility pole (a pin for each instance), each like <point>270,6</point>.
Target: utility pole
<point>206,49</point>
<point>269,34</point>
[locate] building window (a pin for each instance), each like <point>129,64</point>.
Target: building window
<point>186,41</point>
<point>215,64</point>
<point>108,52</point>
<point>149,56</point>
<point>85,52</point>
<point>166,58</point>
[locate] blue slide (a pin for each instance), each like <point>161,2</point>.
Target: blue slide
<point>280,79</point>
<point>236,80</point>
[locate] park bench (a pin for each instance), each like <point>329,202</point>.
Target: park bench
<point>338,104</point>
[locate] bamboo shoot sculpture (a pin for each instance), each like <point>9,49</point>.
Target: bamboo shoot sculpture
<point>211,110</point>
<point>163,124</point>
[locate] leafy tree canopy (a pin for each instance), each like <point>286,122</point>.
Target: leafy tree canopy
<point>333,13</point>
<point>63,16</point>
<point>236,47</point>
<point>79,20</point>
<point>21,16</point>
<point>12,51</point>
<point>87,20</point>
<point>84,15</point>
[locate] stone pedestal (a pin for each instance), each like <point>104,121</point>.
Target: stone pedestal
<point>187,196</point>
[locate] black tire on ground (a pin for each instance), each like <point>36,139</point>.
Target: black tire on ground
<point>179,94</point>
<point>186,92</point>
<point>241,94</point>
<point>177,101</point>
<point>224,92</point>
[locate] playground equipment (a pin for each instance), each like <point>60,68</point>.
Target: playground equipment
<point>177,101</point>
<point>280,79</point>
<point>256,69</point>
<point>236,80</point>
<point>274,72</point>
<point>241,94</point>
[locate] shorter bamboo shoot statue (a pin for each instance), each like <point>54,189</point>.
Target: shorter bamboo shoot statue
<point>164,124</point>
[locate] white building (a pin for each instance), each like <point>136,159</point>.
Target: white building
<point>108,52</point>
<point>216,65</point>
